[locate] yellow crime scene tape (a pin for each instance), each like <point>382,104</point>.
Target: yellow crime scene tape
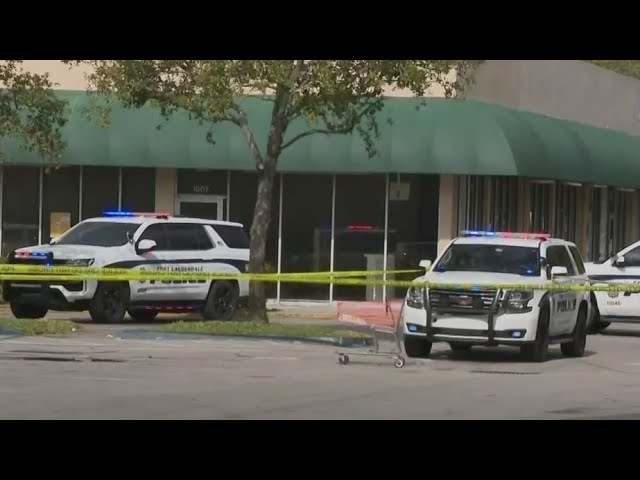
<point>63,273</point>
<point>41,272</point>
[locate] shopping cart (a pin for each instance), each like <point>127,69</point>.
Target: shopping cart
<point>379,316</point>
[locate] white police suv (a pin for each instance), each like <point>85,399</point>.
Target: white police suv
<point>142,241</point>
<point>610,307</point>
<point>475,312</point>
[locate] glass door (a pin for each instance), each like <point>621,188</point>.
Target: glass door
<point>209,207</point>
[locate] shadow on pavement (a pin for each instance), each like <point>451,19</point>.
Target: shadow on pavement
<point>498,355</point>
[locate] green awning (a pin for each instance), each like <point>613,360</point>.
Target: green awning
<point>441,137</point>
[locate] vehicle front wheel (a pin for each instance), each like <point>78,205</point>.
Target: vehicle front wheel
<point>537,351</point>
<point>222,301</point>
<point>110,302</point>
<point>417,347</point>
<point>576,347</point>
<point>24,310</point>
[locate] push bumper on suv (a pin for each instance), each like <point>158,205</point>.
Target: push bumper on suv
<point>56,295</point>
<point>478,317</point>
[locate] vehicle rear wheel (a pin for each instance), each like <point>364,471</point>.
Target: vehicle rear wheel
<point>576,347</point>
<point>24,310</point>
<point>417,347</point>
<point>460,347</point>
<point>110,302</point>
<point>222,301</point>
<point>537,351</point>
<point>143,315</point>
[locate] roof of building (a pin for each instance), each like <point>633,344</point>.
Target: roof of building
<point>441,137</point>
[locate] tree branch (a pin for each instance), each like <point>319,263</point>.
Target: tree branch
<point>315,131</point>
<point>242,121</point>
<point>339,131</point>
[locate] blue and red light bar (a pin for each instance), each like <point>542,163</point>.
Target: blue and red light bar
<point>31,255</point>
<point>127,213</point>
<point>521,235</point>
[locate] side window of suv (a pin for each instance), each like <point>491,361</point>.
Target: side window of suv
<point>188,236</point>
<point>575,253</point>
<point>632,258</point>
<point>157,233</point>
<point>558,256</point>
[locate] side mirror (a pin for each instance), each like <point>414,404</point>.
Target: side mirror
<point>426,264</point>
<point>145,246</point>
<point>620,262</point>
<point>558,271</point>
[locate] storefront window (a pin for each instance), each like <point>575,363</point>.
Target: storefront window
<point>359,231</point>
<point>471,201</point>
<point>139,189</point>
<point>413,225</point>
<point>20,205</point>
<point>99,190</point>
<point>60,201</point>
<point>306,233</point>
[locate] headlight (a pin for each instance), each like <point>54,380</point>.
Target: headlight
<point>80,262</point>
<point>415,297</point>
<point>519,302</point>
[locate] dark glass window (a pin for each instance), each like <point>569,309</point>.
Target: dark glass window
<point>139,189</point>
<point>99,234</point>
<point>60,201</point>
<point>359,232</point>
<point>234,237</point>
<point>413,225</point>
<point>20,205</point>
<point>99,191</point>
<point>187,237</point>
<point>306,233</point>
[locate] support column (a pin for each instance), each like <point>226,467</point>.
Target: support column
<point>447,208</point>
<point>584,227</point>
<point>166,186</point>
<point>524,205</point>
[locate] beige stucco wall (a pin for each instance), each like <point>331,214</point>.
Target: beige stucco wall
<point>63,76</point>
<point>166,187</point>
<point>73,78</point>
<point>568,89</point>
<point>448,201</point>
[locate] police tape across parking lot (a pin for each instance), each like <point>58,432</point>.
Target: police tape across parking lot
<point>353,278</point>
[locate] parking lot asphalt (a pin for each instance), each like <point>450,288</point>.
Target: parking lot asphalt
<point>96,375</point>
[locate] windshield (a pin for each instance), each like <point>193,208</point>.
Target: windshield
<point>99,234</point>
<point>490,258</point>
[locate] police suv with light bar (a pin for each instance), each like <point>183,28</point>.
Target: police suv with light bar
<point>474,311</point>
<point>138,241</point>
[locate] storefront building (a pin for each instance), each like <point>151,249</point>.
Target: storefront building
<point>447,166</point>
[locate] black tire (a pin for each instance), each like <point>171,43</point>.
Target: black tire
<point>460,347</point>
<point>143,315</point>
<point>537,351</point>
<point>110,302</point>
<point>24,310</point>
<point>597,325</point>
<point>417,347</point>
<point>222,301</point>
<point>576,347</point>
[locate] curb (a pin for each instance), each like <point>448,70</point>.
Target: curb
<point>346,342</point>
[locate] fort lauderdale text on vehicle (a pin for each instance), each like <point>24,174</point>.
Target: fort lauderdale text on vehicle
<point>485,315</point>
<point>139,241</point>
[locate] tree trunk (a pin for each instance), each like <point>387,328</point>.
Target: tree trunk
<point>259,231</point>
